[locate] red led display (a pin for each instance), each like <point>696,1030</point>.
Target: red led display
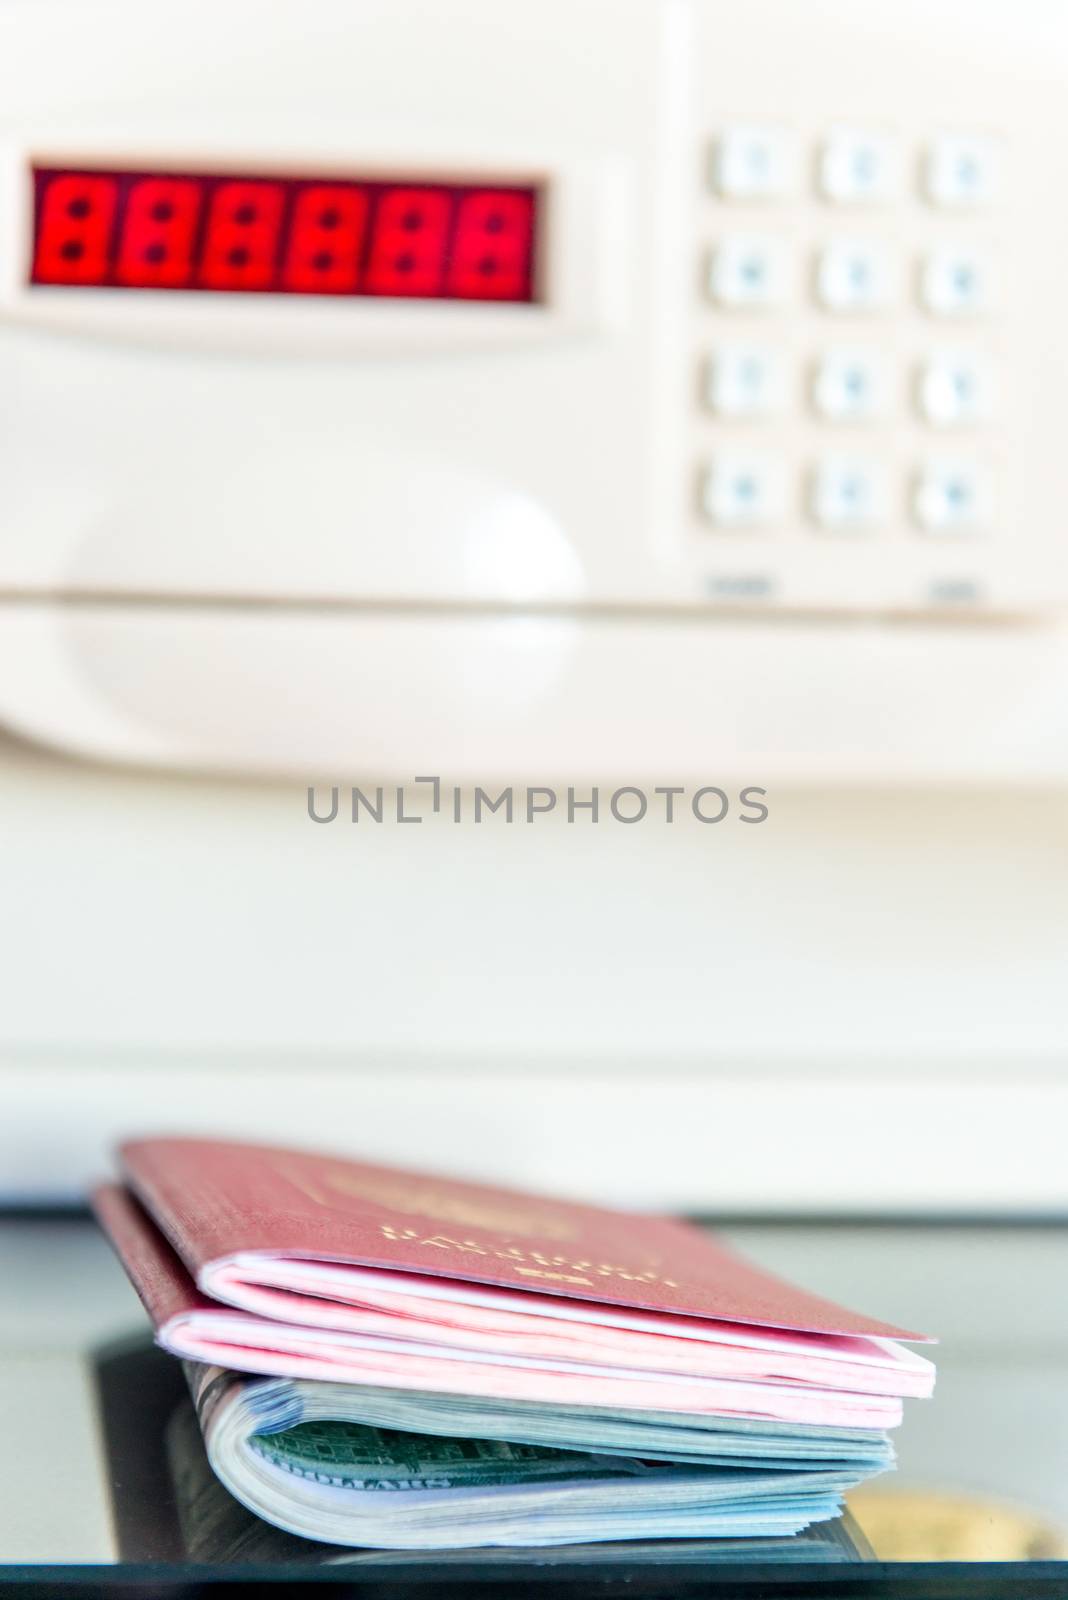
<point>75,226</point>
<point>155,250</point>
<point>190,231</point>
<point>408,244</point>
<point>324,247</point>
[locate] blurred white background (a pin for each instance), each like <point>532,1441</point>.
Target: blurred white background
<point>246,534</point>
<point>856,1006</point>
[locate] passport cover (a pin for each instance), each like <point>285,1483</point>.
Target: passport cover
<point>163,1285</point>
<point>215,1200</point>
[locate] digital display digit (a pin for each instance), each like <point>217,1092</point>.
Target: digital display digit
<point>263,235</point>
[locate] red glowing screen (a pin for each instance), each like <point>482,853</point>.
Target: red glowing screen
<point>155,230</point>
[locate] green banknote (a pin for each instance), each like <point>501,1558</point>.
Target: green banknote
<point>353,1455</point>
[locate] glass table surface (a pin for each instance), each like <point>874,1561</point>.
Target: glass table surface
<point>93,1497</point>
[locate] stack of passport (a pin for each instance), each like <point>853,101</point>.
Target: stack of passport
<point>389,1360</point>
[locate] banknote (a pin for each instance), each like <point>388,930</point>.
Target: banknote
<point>216,1529</point>
<point>353,1455</point>
<point>323,1462</point>
<point>271,1405</point>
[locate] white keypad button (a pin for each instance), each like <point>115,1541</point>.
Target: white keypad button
<point>748,273</point>
<point>848,495</point>
<point>744,491</point>
<point>853,275</point>
<point>960,170</point>
<point>951,499</point>
<point>754,161</point>
<point>859,167</point>
<point>744,381</point>
<point>848,386</point>
<point>953,391</point>
<point>955,283</point>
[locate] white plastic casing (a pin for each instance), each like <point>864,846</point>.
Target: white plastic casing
<point>522,493</point>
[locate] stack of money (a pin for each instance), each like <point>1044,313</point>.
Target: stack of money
<point>532,1373</point>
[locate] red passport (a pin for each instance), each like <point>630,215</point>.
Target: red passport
<point>278,1261</point>
<point>216,1202</point>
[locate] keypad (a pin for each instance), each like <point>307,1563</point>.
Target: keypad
<point>848,494</point>
<point>848,332</point>
<point>961,170</point>
<point>745,381</point>
<point>951,498</point>
<point>849,386</point>
<point>853,275</point>
<point>955,282</point>
<point>743,491</point>
<point>858,167</point>
<point>748,272</point>
<point>754,163</point>
<point>954,390</point>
